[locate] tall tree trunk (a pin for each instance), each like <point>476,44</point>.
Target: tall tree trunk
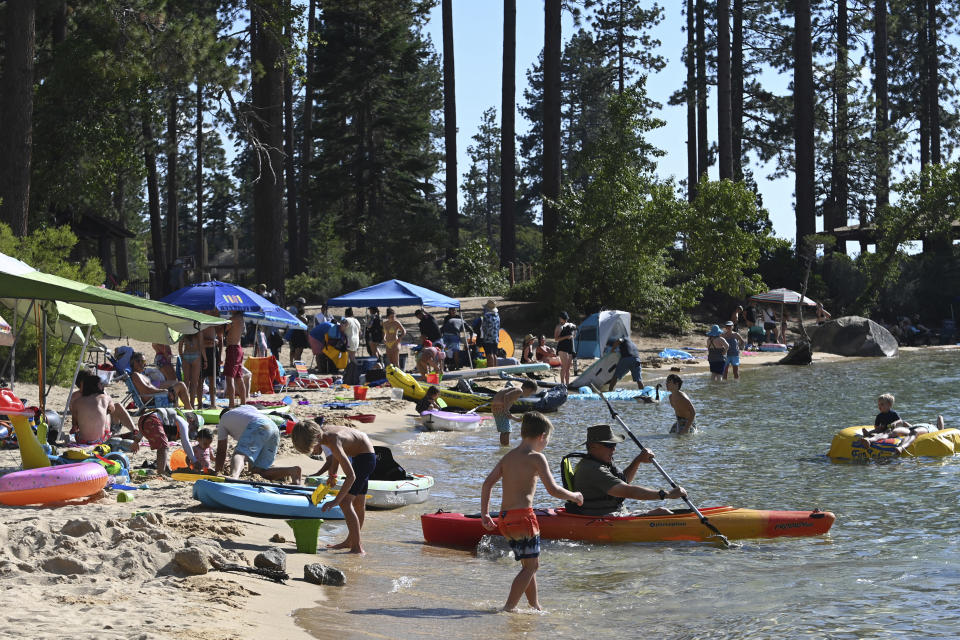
<point>290,175</point>
<point>450,129</point>
<point>736,91</point>
<point>621,72</point>
<point>552,37</point>
<point>198,185</point>
<point>835,214</point>
<point>16,114</point>
<point>702,161</point>
<point>508,148</point>
<point>724,133</point>
<point>58,30</point>
<point>160,282</point>
<point>123,259</point>
<point>933,82</point>
<point>267,99</point>
<point>173,187</point>
<point>881,93</point>
<point>804,126</point>
<point>693,175</point>
<point>923,55</point>
<point>304,208</point>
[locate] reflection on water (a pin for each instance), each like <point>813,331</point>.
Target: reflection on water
<point>889,567</point>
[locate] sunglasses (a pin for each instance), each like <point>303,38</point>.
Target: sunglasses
<point>608,445</point>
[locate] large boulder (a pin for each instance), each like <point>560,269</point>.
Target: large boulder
<point>854,336</point>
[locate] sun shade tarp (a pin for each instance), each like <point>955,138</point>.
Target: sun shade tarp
<point>117,314</point>
<point>396,293</point>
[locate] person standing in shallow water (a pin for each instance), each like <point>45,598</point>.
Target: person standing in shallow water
<point>716,352</point>
<point>564,333</point>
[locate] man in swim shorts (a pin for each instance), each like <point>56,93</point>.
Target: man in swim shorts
<point>257,441</point>
<point>232,366</point>
<point>348,449</point>
<point>92,411</point>
<point>500,407</point>
<point>682,406</point>
<point>519,470</point>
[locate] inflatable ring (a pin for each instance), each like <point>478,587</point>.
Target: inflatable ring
<point>52,484</point>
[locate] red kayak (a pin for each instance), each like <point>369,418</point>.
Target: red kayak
<point>459,530</point>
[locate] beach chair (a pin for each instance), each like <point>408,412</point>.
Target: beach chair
<point>304,379</point>
<point>152,401</point>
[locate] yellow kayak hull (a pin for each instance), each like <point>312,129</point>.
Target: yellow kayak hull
<point>413,390</point>
<point>938,444</point>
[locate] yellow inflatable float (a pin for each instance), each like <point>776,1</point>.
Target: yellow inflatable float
<point>938,444</point>
<point>413,390</point>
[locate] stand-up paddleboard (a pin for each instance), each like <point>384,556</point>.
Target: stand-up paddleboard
<point>492,371</point>
<point>600,373</point>
<point>505,342</point>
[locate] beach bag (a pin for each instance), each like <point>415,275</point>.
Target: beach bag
<point>351,375</point>
<point>387,468</point>
<point>337,356</point>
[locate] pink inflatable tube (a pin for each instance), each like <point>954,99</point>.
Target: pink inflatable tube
<point>52,484</point>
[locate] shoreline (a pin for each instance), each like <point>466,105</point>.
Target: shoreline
<point>120,573</point>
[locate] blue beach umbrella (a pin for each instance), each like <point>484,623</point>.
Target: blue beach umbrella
<point>227,298</point>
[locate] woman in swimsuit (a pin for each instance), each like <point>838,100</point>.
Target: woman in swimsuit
<point>392,332</point>
<point>529,348</point>
<point>189,350</point>
<point>716,352</point>
<point>563,334</point>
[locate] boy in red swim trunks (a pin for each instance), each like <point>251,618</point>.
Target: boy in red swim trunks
<point>519,470</point>
<point>232,366</point>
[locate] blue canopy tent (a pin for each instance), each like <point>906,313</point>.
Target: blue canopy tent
<point>393,292</point>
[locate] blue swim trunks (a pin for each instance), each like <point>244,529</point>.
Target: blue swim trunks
<point>733,360</point>
<point>628,364</point>
<point>259,442</point>
<point>503,422</point>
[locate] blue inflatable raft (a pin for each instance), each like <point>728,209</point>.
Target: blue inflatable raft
<point>267,501</point>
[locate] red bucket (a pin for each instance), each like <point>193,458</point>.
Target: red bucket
<point>360,393</point>
<point>432,378</point>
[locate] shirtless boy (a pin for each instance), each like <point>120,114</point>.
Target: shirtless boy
<point>519,470</point>
<point>351,450</point>
<point>208,359</point>
<point>500,407</point>
<point>91,409</point>
<point>682,406</point>
<point>232,367</point>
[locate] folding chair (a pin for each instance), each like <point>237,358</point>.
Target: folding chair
<point>155,400</point>
<point>304,379</point>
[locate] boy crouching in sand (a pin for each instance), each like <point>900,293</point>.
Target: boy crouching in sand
<point>519,470</point>
<point>347,448</point>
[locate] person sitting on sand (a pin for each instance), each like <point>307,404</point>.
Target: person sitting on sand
<point>544,351</point>
<point>429,401</point>
<point>163,360</point>
<point>174,389</point>
<point>528,353</point>
<point>93,410</point>
<point>519,470</point>
<point>351,450</point>
<point>500,407</point>
<point>682,406</point>
<point>257,441</point>
<point>604,486</point>
<point>203,451</point>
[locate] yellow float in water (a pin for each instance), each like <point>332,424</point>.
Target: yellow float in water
<point>938,444</point>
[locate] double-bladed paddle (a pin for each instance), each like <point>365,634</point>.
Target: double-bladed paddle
<point>703,518</point>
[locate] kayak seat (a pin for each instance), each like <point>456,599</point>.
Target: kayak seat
<point>568,466</point>
<point>387,468</point>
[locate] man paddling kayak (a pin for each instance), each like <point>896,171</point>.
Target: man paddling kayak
<point>603,485</point>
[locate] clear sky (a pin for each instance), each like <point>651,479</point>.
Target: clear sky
<point>478,42</point>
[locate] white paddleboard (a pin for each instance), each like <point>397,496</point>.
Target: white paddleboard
<point>599,373</point>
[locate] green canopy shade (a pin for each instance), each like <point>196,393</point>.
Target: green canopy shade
<point>117,314</point>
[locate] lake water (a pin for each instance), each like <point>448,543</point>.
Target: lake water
<point>889,568</point>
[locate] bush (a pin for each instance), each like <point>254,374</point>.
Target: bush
<point>474,271</point>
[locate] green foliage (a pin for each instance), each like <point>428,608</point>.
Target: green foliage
<point>326,276</point>
<point>722,237</point>
<point>475,271</point>
<point>47,249</point>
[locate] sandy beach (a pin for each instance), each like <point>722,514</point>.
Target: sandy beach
<point>102,567</point>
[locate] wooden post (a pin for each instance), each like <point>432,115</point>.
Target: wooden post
<point>513,273</point>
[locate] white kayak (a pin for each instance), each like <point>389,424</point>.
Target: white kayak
<point>390,494</point>
<point>600,373</point>
<point>450,421</point>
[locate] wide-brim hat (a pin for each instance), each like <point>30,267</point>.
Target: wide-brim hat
<point>714,331</point>
<point>529,338</point>
<point>490,304</point>
<point>603,433</point>
<point>728,323</point>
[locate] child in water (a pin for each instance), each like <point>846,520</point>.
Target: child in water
<point>519,470</point>
<point>429,401</point>
<point>682,406</point>
<point>500,407</point>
